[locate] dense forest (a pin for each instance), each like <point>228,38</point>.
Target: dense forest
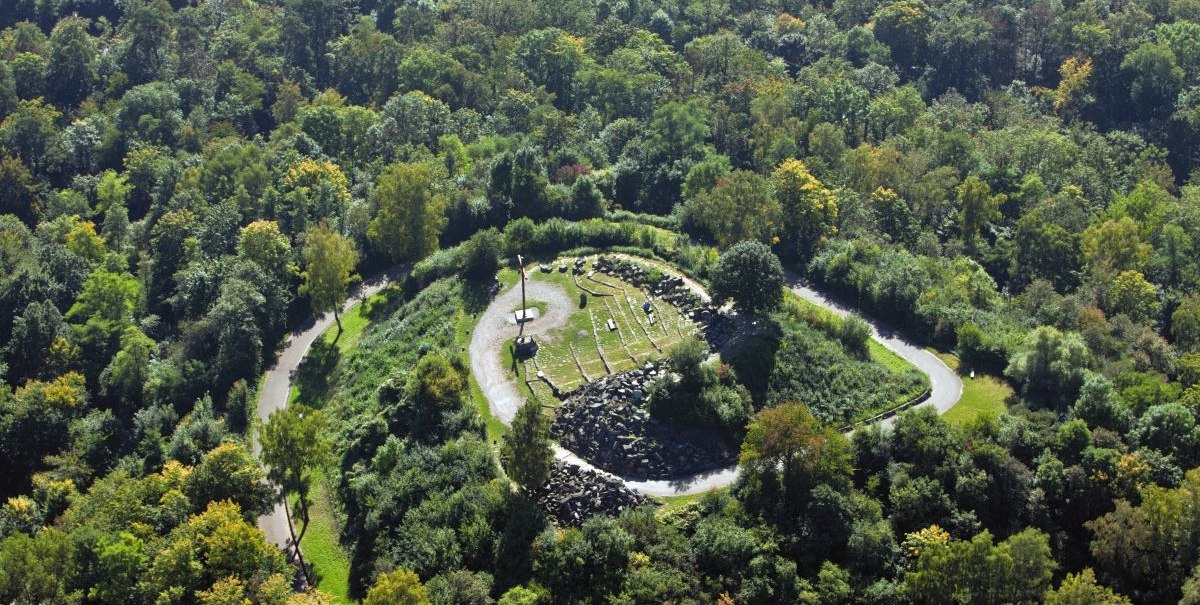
<point>184,182</point>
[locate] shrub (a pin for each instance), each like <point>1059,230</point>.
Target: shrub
<point>481,254</point>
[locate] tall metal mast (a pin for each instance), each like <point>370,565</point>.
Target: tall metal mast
<point>524,315</point>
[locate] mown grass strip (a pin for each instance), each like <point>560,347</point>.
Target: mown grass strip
<point>983,395</point>
<point>321,548</point>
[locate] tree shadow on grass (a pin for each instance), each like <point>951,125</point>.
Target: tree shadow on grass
<point>313,379</point>
<point>313,570</point>
<point>385,303</point>
<point>752,357</point>
<point>477,294</point>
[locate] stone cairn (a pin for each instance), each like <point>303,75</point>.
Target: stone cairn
<point>608,424</point>
<point>573,494</point>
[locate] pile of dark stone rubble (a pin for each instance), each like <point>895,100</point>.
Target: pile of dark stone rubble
<point>574,493</point>
<point>608,424</point>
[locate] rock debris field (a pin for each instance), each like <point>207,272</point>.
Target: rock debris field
<point>574,494</point>
<point>606,437</point>
<point>608,423</point>
<point>611,454</point>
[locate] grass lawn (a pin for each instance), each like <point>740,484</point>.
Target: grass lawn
<point>321,548</point>
<point>309,387</point>
<point>584,348</point>
<point>353,323</point>
<point>886,357</point>
<point>673,503</point>
<point>982,395</point>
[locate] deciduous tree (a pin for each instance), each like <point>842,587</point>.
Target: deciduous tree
<point>1185,323</point>
<point>742,206</point>
<point>751,275</point>
<point>295,443</point>
<point>1083,589</point>
<point>787,451</point>
<point>38,569</point>
<point>411,215</point>
<point>976,208</point>
<point>1018,570</point>
<point>1050,363</point>
<point>330,259</point>
<point>400,587</point>
<point>810,210</point>
<point>1136,546</point>
<point>73,61</point>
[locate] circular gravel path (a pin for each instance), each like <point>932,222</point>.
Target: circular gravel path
<point>493,332</point>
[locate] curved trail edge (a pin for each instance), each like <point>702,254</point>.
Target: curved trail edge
<point>277,386</point>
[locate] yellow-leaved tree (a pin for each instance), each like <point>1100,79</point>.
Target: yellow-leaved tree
<point>810,209</point>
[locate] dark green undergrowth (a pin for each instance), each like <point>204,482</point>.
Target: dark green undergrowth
<point>417,480</point>
<point>396,340</point>
<point>791,359</point>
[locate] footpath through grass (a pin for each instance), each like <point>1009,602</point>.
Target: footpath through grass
<point>311,384</point>
<point>314,381</point>
<point>983,395</point>
<point>321,547</point>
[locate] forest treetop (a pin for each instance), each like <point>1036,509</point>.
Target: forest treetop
<point>182,182</point>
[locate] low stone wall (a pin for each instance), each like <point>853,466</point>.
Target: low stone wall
<point>573,494</point>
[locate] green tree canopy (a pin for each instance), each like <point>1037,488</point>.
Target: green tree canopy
<point>400,587</point>
<point>1017,570</point>
<point>295,444</point>
<point>527,447</point>
<point>742,206</point>
<point>750,274</point>
<point>330,259</point>
<point>1083,589</point>
<point>810,210</point>
<point>411,214</point>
